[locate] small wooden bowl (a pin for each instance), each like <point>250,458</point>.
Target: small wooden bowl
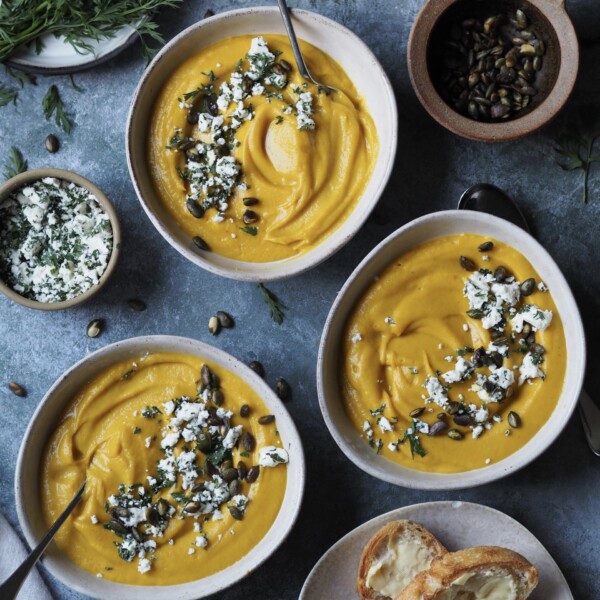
<point>23,179</point>
<point>555,83</point>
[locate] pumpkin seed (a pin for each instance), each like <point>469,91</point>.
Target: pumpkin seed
<point>500,274</point>
<point>253,473</point>
<point>136,305</point>
<point>282,388</point>
<point>163,507</point>
<point>205,375</point>
<point>217,397</point>
<point>463,420</point>
<point>119,512</point>
<point>117,527</point>
<point>137,536</point>
<point>454,434</point>
<point>527,287</point>
<point>225,319</point>
<point>194,208</point>
<point>244,410</point>
<point>514,420</point>
<point>453,407</point>
<point>417,412</point>
<point>438,427</point>
<point>242,470</point>
<point>200,243</point>
<point>214,325</point>
<point>257,367</point>
<point>467,264</point>
<point>152,516</point>
<point>441,416</point>
<point>235,487</point>
<point>475,313</point>
<point>249,217</point>
<point>537,348</point>
<point>286,65</point>
<point>94,328</point>
<point>52,144</point>
<point>203,442</point>
<point>229,474</point>
<point>193,507</point>
<point>248,441</point>
<point>236,513</point>
<point>266,419</point>
<point>485,247</point>
<point>17,390</point>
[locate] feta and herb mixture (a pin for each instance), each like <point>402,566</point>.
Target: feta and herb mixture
<point>502,305</point>
<point>216,111</point>
<point>55,240</point>
<point>195,480</point>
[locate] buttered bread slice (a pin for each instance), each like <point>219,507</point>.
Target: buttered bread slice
<point>392,558</point>
<point>481,573</point>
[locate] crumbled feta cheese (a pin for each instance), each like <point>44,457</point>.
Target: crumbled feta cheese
<point>462,369</point>
<point>538,319</point>
<point>436,391</point>
<point>94,519</point>
<point>271,456</point>
<point>144,565</point>
<point>542,286</point>
<point>477,431</point>
<point>529,369</point>
<point>389,321</point>
<point>384,424</point>
<point>356,338</point>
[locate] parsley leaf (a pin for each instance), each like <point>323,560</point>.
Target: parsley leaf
<point>16,163</point>
<point>276,306</point>
<point>52,105</point>
<point>249,230</point>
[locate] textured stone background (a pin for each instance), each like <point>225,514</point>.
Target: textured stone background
<point>556,497</point>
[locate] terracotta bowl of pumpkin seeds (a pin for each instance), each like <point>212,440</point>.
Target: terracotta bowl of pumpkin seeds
<point>59,239</point>
<point>493,71</point>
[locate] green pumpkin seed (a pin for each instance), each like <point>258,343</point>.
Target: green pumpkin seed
<point>236,513</point>
<point>213,325</point>
<point>250,201</point>
<point>437,428</point>
<point>527,287</point>
<point>94,328</point>
<point>249,217</point>
<point>244,410</point>
<point>225,319</point>
<point>193,507</point>
<point>485,247</point>
<point>282,388</point>
<point>163,507</point>
<point>218,397</point>
<point>200,243</point>
<point>248,441</point>
<point>229,474</point>
<point>117,527</point>
<point>266,419</point>
<point>475,313</point>
<point>253,473</point>
<point>514,420</point>
<point>235,487</point>
<point>52,144</point>
<point>417,412</point>
<point>242,470</point>
<point>454,434</point>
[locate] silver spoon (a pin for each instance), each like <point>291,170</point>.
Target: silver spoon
<point>302,68</point>
<point>488,198</point>
<point>10,588</point>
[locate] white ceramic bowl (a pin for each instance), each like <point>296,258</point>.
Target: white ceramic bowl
<point>418,231</point>
<point>50,411</point>
<point>342,45</point>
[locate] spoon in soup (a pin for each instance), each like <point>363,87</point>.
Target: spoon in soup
<point>10,588</point>
<point>302,68</point>
<point>484,197</point>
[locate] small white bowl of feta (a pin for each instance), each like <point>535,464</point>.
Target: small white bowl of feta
<point>59,239</point>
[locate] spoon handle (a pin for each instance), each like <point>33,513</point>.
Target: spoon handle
<point>10,588</point>
<point>590,416</point>
<point>287,21</point>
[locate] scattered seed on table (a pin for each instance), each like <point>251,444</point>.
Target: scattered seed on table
<point>94,328</point>
<point>52,144</point>
<point>136,304</point>
<point>257,367</point>
<point>17,390</point>
<point>225,320</point>
<point>282,388</point>
<point>214,326</point>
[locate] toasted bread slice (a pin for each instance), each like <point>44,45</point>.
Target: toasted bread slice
<point>485,572</point>
<point>393,556</point>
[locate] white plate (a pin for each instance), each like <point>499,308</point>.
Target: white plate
<point>59,56</point>
<point>457,525</point>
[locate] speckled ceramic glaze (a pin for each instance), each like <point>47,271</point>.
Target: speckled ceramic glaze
<point>414,233</point>
<point>22,179</point>
<point>457,525</point>
<point>561,60</point>
<point>342,45</point>
<point>51,409</point>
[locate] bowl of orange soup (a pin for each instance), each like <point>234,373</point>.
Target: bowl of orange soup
<point>454,354</point>
<point>194,471</point>
<point>244,167</point>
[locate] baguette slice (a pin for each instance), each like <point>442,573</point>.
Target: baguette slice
<point>393,556</point>
<point>484,572</point>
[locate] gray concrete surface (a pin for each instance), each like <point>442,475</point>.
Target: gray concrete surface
<point>557,497</point>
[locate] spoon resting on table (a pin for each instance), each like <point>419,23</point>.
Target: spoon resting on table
<point>488,198</point>
<point>10,588</point>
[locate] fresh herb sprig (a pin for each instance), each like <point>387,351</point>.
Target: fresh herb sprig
<point>79,21</point>
<point>53,105</point>
<point>577,147</point>
<point>250,230</point>
<point>15,164</point>
<point>414,441</point>
<point>20,76</point>
<point>276,306</point>
<point>7,95</point>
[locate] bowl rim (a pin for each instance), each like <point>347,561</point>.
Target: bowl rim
<point>284,268</point>
<point>515,461</point>
<point>184,591</point>
<point>418,44</point>
<point>32,175</point>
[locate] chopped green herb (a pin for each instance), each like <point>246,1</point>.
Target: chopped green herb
<point>150,412</point>
<point>7,95</point>
<point>250,230</point>
<point>15,164</point>
<point>276,306</point>
<point>52,105</point>
<point>136,430</point>
<point>414,441</point>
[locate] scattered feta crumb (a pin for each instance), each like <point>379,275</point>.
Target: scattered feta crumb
<point>94,519</point>
<point>356,338</point>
